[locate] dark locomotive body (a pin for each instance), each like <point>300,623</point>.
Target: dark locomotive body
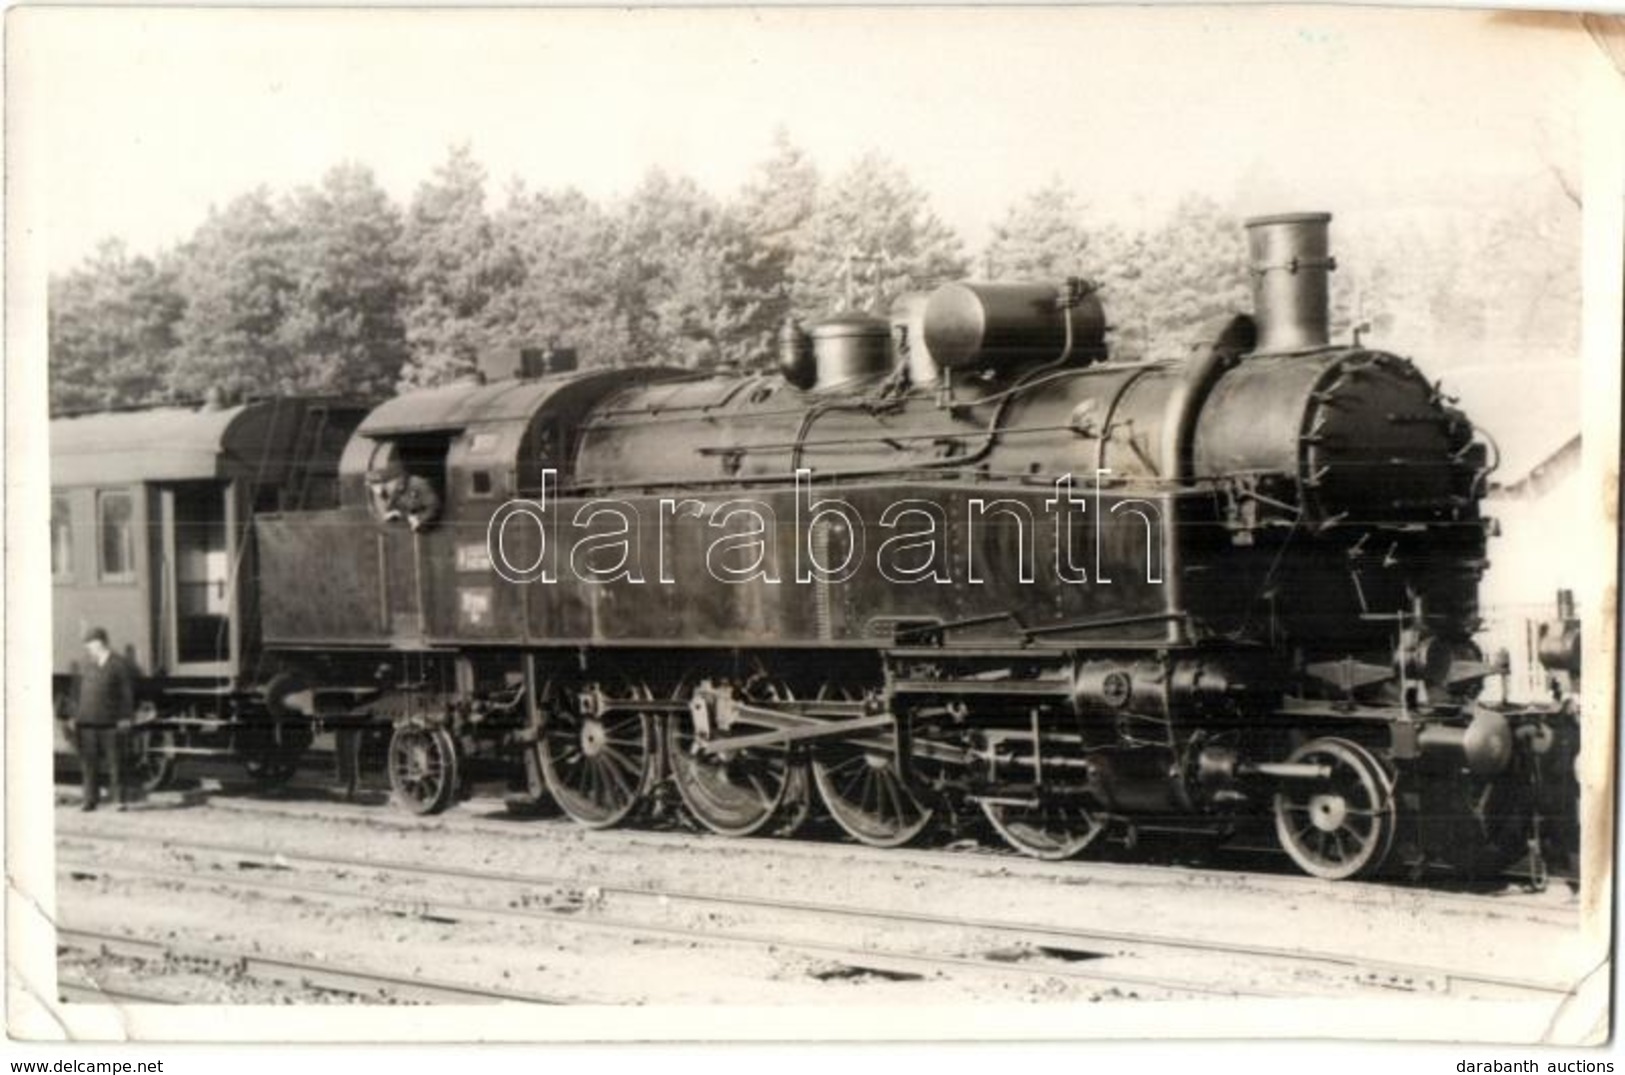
<point>954,563</point>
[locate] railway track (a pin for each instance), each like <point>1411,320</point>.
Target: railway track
<point>851,960</point>
<point>1549,907</point>
<point>1015,939</point>
<point>366,984</point>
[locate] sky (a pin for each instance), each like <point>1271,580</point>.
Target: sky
<point>135,122</point>
<point>132,123</point>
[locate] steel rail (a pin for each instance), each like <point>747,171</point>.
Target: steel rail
<point>84,993</point>
<point>857,957</point>
<point>1357,893</point>
<point>295,972</point>
<point>1041,933</point>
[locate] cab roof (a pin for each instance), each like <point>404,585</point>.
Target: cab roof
<point>454,407</point>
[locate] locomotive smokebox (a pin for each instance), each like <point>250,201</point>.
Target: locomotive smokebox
<point>1290,265</point>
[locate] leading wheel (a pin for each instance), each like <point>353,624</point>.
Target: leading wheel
<point>1341,826</point>
<point>1050,831</point>
<point>597,766</point>
<point>424,768</point>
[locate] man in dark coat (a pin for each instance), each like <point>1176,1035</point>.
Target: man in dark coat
<point>398,495</point>
<point>420,502</point>
<point>106,708</point>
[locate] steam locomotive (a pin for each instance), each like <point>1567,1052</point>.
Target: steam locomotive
<point>949,563</point>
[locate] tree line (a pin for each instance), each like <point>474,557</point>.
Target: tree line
<point>335,288</point>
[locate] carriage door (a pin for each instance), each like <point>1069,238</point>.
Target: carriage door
<point>197,596</point>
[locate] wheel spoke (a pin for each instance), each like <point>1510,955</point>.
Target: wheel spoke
<point>621,761</point>
<point>617,779</point>
<point>747,793</point>
<point>758,786</point>
<point>868,800</point>
<point>858,787</point>
<point>595,767</point>
<point>855,764</point>
<point>1047,831</point>
<point>894,797</point>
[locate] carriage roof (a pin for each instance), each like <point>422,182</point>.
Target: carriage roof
<point>177,443</point>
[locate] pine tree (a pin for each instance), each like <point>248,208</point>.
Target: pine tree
<point>1161,288</point>
<point>872,237</point>
<point>1040,238</point>
<point>565,246</point>
<point>345,327</point>
<point>680,262</point>
<point>112,329</point>
<point>240,280</point>
<point>773,209</point>
<point>454,270</point>
<point>1120,256</point>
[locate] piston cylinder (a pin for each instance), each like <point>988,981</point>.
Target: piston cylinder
<point>1290,267</point>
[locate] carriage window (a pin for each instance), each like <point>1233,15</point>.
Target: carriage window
<point>115,530</point>
<point>481,482</point>
<point>61,538</point>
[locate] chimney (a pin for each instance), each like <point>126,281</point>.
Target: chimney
<point>1290,266</point>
